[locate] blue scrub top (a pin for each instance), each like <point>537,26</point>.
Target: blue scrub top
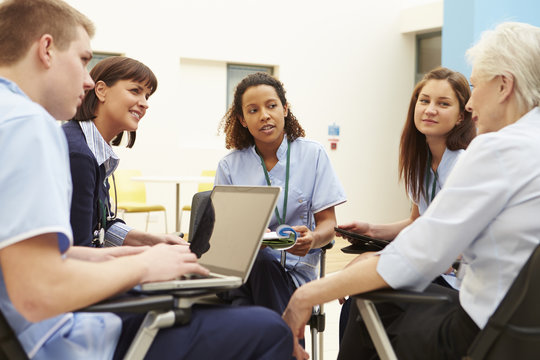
<point>313,187</point>
<point>35,193</point>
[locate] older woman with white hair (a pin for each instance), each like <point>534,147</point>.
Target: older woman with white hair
<point>487,210</point>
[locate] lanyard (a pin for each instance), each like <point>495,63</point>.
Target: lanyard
<point>99,234</point>
<point>286,195</point>
<point>428,178</point>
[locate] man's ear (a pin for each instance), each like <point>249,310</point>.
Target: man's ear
<point>46,50</point>
<point>101,90</point>
<point>506,86</point>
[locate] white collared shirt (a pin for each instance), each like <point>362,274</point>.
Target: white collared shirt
<point>488,210</point>
<point>100,148</point>
<point>105,155</point>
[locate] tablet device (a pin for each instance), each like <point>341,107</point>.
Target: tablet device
<point>363,238</point>
<point>360,248</point>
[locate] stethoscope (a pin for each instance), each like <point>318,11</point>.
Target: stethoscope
<point>99,234</point>
<point>428,179</point>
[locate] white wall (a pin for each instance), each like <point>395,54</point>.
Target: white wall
<point>344,61</point>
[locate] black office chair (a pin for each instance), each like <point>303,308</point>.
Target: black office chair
<point>10,348</point>
<point>513,331</point>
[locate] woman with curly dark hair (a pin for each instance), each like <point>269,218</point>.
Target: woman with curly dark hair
<point>269,149</point>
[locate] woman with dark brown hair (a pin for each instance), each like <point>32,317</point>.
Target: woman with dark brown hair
<point>269,149</point>
<point>116,104</point>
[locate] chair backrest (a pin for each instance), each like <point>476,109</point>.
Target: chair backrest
<point>10,347</point>
<point>206,186</point>
<point>128,190</point>
<point>201,222</point>
<point>513,331</point>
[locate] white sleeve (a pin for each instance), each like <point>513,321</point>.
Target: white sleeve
<point>476,191</point>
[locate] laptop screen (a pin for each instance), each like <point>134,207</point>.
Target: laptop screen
<point>242,214</point>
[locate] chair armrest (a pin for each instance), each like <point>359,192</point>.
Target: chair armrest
<point>389,295</point>
<point>142,302</point>
<point>329,245</point>
<point>136,303</point>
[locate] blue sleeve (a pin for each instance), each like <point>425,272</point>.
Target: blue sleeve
<point>34,180</point>
<point>223,174</point>
<point>327,191</point>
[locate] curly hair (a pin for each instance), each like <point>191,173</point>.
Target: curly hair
<point>413,148</point>
<point>239,137</point>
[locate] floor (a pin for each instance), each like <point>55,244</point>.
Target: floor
<point>335,261</point>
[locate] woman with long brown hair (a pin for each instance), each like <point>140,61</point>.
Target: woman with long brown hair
<point>437,130</point>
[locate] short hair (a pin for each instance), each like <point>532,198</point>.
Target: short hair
<point>511,49</point>
<point>239,137</point>
<point>413,148</point>
<point>24,21</point>
<point>111,70</point>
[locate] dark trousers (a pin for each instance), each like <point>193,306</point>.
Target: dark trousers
<point>416,331</point>
<point>268,285</point>
<point>216,332</point>
<point>346,307</point>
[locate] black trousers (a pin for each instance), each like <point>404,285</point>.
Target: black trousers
<point>268,285</point>
<point>416,331</point>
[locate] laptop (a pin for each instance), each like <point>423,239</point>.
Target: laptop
<point>242,215</point>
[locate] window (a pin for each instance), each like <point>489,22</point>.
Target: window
<point>428,53</point>
<point>235,73</point>
<point>97,56</point>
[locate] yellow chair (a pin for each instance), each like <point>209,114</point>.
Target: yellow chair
<point>131,195</point>
<point>202,187</point>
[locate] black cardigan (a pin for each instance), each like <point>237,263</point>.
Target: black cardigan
<point>89,186</point>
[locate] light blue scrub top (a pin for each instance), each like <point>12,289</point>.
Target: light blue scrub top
<point>313,187</point>
<point>35,193</point>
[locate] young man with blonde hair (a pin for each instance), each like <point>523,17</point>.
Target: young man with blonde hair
<point>44,50</point>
